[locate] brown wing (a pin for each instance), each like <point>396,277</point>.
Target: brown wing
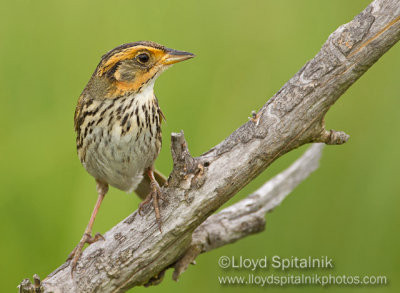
<point>77,112</point>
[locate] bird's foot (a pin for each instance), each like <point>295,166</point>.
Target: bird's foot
<point>77,252</point>
<point>155,194</point>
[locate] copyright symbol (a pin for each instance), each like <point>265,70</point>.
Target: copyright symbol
<point>224,262</point>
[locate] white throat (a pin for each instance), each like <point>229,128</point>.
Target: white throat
<point>147,90</point>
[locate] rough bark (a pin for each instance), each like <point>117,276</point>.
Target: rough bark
<point>134,251</point>
<point>247,216</point>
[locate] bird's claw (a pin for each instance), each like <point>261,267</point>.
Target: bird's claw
<point>155,194</point>
<point>77,252</point>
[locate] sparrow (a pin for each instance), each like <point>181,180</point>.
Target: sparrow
<point>118,125</point>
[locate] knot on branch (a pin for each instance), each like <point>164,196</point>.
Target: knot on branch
<point>331,137</point>
<point>180,152</point>
<point>27,287</point>
<point>188,171</point>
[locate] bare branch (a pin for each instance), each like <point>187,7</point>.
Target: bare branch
<point>134,251</point>
<point>247,216</point>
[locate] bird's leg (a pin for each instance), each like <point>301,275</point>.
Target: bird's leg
<point>155,194</point>
<point>102,189</point>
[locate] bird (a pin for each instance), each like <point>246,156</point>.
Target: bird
<point>118,125</point>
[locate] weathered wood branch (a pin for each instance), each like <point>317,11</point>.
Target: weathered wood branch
<point>247,216</point>
<point>134,251</point>
<point>242,219</point>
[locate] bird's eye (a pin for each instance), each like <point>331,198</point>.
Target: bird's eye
<point>143,58</point>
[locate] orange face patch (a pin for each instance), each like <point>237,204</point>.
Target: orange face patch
<point>121,88</point>
<point>129,53</point>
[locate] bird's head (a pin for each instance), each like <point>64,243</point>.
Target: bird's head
<point>130,68</point>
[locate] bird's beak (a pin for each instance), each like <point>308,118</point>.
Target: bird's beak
<point>174,56</point>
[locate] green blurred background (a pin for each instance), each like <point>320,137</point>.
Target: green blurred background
<point>246,50</point>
